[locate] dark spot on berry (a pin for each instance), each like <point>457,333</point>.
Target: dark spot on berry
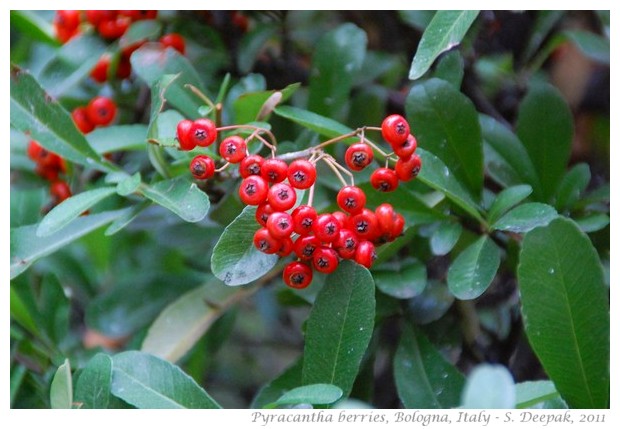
<point>309,250</point>
<point>350,202</point>
<point>349,243</point>
<point>200,134</point>
<point>384,186</point>
<point>254,169</point>
<point>306,223</point>
<point>330,228</point>
<point>263,245</point>
<point>322,262</point>
<point>298,278</point>
<point>199,169</point>
<point>231,149</point>
<point>283,224</point>
<point>299,176</point>
<point>359,159</point>
<point>400,128</point>
<point>415,171</point>
<point>361,226</point>
<point>283,194</point>
<point>250,188</point>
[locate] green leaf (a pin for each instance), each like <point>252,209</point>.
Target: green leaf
<point>127,217</point>
<point>431,304</point>
<point>152,61</point>
<point>593,222</point>
<point>526,217</point>
<point>235,259</point>
<point>445,237</point>
<point>591,45</point>
<point>545,126</point>
<point>251,44</point>
<point>34,26</point>
<point>545,20</point>
<point>505,157</point>
<point>92,390</point>
<point>140,31</point>
<point>253,106</point>
<point>146,381</point>
<point>339,328</point>
<point>532,394</point>
<point>566,311</point>
<point>27,247</point>
<point>436,174</point>
<point>313,121</point>
<point>445,122</point>
<point>474,269</point>
<point>337,58</point>
<point>401,280</point>
<point>289,379</point>
<point>451,68</point>
<point>507,199</point>
<point>61,391</point>
<point>71,208</point>
<point>117,137</point>
<point>424,379</point>
<point>21,311</point>
<point>182,323</point>
<point>315,394</point>
<point>489,387</point>
<point>445,31</point>
<point>573,185</point>
<point>418,19</point>
<point>180,196</point>
<point>33,111</point>
<point>129,185</point>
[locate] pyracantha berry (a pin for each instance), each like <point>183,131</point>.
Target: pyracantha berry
<point>406,149</point>
<point>303,218</point>
<point>253,190</point>
<point>325,260</point>
<point>358,156</point>
<point>351,199</point>
<point>184,129</point>
<point>301,174</point>
<point>408,169</point>
<point>251,166</point>
<point>364,224</point>
<point>281,196</point>
<point>326,227</point>
<point>101,111</point>
<point>174,41</point>
<point>365,254</point>
<point>384,179</point>
<point>202,167</point>
<point>297,275</point>
<point>265,242</point>
<point>305,246</point>
<point>395,129</point>
<point>80,117</point>
<point>274,170</point>
<point>280,224</point>
<point>202,133</point>
<point>346,244</point>
<point>233,149</point>
<point>263,211</point>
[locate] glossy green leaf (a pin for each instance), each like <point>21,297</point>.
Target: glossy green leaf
<point>313,121</point>
<point>451,68</point>
<point>526,217</point>
<point>180,196</point>
<point>182,323</point>
<point>534,394</point>
<point>61,391</point>
<point>251,44</point>
<point>417,19</point>
<point>21,311</point>
<point>92,390</point>
<point>140,31</point>
<point>129,185</point>
<point>572,186</point>
<point>445,237</point>
<point>152,61</point>
<point>545,126</point>
<point>424,379</point>
<point>336,60</point>
<point>431,304</point>
<point>235,259</point>
<point>507,199</point>
<point>127,217</point>
<point>146,381</point>
<point>401,279</point>
<point>544,22</point>
<point>592,222</point>
<point>566,311</point>
<point>445,122</point>
<point>254,106</point>
<point>445,31</point>
<point>117,137</point>
<point>33,111</point>
<point>591,45</point>
<point>27,247</point>
<point>71,208</point>
<point>315,394</point>
<point>489,387</point>
<point>339,328</point>
<point>505,157</point>
<point>34,26</point>
<point>436,174</point>
<point>474,269</point>
<point>287,380</point>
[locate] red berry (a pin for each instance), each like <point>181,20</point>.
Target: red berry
<point>406,149</point>
<point>358,156</point>
<point>325,260</point>
<point>281,196</point>
<point>301,174</point>
<point>100,72</point>
<point>280,224</point>
<point>101,111</point>
<point>174,41</point>
<point>66,23</point>
<point>203,132</point>
<point>60,191</point>
<point>386,217</point>
<point>202,167</point>
<point>326,227</point>
<point>286,247</point>
<point>263,211</point>
<point>274,170</point>
<point>305,246</point>
<point>253,190</point>
<point>233,149</point>
<point>365,224</point>
<point>303,218</point>
<point>251,166</point>
<point>346,244</point>
<point>49,174</point>
<point>399,226</point>
<point>297,275</point>
<point>395,129</point>
<point>113,28</point>
<point>384,179</point>
<point>184,129</point>
<point>408,169</point>
<point>265,242</point>
<point>342,217</point>
<point>34,150</point>
<point>351,199</point>
<point>80,117</point>
<point>94,17</point>
<point>365,254</point>
<point>139,15</point>
<point>123,71</point>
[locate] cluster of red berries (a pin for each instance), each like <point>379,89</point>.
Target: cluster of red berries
<point>50,166</point>
<point>99,112</point>
<point>318,240</point>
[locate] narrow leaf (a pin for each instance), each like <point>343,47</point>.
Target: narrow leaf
<point>117,137</point>
<point>507,199</point>
<point>593,222</point>
<point>526,217</point>
<point>315,394</point>
<point>180,196</point>
<point>140,31</point>
<point>146,381</point>
<point>445,31</point>
<point>235,259</point>
<point>489,387</point>
<point>474,269</point>
<point>535,393</point>
<point>61,391</point>
<point>287,380</point>
<point>339,327</point>
<point>313,121</point>
<point>424,379</point>
<point>67,211</point>
<point>92,390</point>
<point>566,311</point>
<point>34,26</point>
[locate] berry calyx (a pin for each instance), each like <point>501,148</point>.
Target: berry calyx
<point>274,170</point>
<point>251,166</point>
<point>184,129</point>
<point>280,224</point>
<point>301,174</point>
<point>325,260</point>
<point>265,242</point>
<point>305,246</point>
<point>233,149</point>
<point>253,190</point>
<point>395,129</point>
<point>202,167</point>
<point>326,227</point>
<point>408,169</point>
<point>365,224</point>
<point>358,156</point>
<point>351,199</point>
<point>303,218</point>
<point>281,196</point>
<point>346,243</point>
<point>297,275</point>
<point>202,133</point>
<point>101,111</point>
<point>384,179</point>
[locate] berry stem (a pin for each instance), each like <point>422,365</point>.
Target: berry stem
<point>311,195</point>
<point>200,95</point>
<point>222,168</point>
<point>274,142</point>
<point>331,164</point>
